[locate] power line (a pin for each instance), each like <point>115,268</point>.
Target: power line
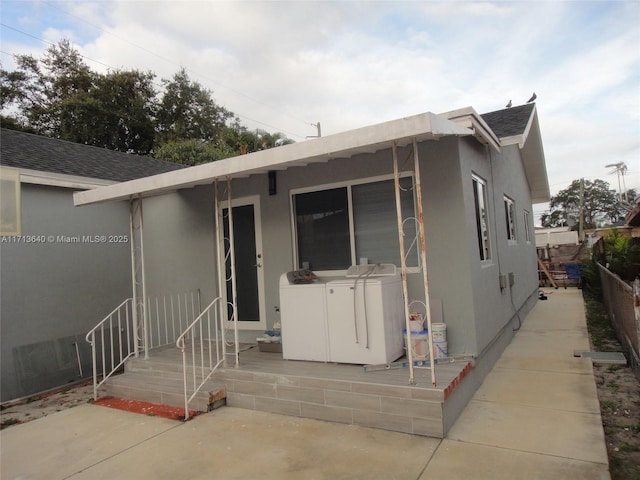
<point>172,62</point>
<point>155,83</point>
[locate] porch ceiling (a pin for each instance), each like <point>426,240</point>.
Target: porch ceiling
<point>425,126</point>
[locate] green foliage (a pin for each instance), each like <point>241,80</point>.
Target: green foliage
<point>59,96</point>
<point>189,152</point>
<point>620,254</point>
<point>600,205</point>
<point>188,111</point>
<point>592,286</point>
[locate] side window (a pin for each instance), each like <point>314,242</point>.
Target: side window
<point>9,202</point>
<point>482,217</point>
<point>527,229</point>
<point>510,217</point>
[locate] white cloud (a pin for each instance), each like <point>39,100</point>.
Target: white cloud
<point>349,64</point>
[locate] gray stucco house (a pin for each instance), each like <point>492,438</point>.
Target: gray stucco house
<point>329,203</point>
<point>62,268</point>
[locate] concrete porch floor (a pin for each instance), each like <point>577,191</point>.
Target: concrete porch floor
<point>536,415</point>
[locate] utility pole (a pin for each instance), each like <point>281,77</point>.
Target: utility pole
<point>581,226</point>
<point>317,125</point>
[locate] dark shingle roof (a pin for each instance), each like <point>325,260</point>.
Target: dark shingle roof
<point>510,121</point>
<point>35,152</point>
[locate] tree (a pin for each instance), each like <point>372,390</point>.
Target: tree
<point>188,111</point>
<point>127,109</point>
<point>49,90</point>
<point>59,96</point>
<point>600,206</point>
<point>190,152</point>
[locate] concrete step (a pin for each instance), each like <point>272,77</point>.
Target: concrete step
<point>162,366</point>
<point>164,387</point>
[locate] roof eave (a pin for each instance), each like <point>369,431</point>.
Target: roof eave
<point>534,161</point>
<point>346,144</point>
<point>469,118</point>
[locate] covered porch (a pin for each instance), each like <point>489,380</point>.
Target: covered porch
<point>419,399</point>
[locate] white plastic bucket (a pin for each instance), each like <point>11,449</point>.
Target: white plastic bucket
<point>439,331</point>
<point>419,344</point>
<point>416,322</point>
<point>440,350</point>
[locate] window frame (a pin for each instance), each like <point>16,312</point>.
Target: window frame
<point>511,223</point>
<point>348,184</point>
<point>485,248</point>
<point>527,228</point>
<point>12,176</point>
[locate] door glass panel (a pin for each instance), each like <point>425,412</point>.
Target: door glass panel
<point>245,262</point>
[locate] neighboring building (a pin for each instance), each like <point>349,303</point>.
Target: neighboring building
<point>62,268</point>
<point>329,202</point>
<point>633,218</point>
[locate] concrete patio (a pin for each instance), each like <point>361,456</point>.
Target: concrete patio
<point>536,415</point>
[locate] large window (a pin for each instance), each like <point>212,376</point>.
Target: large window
<point>482,217</point>
<point>510,217</point>
<point>337,227</point>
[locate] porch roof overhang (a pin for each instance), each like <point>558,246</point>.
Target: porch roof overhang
<point>425,126</point>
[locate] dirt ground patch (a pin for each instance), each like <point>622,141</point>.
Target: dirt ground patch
<point>619,395</point>
<point>44,404</point>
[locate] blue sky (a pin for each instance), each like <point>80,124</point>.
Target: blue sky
<point>284,65</point>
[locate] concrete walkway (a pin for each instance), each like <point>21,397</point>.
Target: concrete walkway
<point>535,416</point>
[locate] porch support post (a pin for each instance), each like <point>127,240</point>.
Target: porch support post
<point>140,324</point>
<point>403,263</point>
<point>232,260</point>
<point>134,305</point>
<point>219,239</point>
<point>423,259</point>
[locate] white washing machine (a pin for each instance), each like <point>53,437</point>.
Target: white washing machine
<point>303,318</point>
<point>365,315</point>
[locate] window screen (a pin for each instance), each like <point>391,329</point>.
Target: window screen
<point>376,225</point>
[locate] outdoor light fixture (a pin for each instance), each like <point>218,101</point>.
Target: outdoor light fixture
<point>272,182</point>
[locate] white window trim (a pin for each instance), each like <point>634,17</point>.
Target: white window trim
<point>511,218</point>
<point>330,186</point>
<point>15,228</point>
<point>527,228</point>
<point>489,246</point>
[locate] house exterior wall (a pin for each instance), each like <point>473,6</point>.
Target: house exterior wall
<point>493,307</point>
<point>449,273</point>
<point>448,256</point>
<point>179,243</point>
<point>475,309</point>
<point>56,289</point>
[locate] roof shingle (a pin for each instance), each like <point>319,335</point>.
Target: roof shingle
<point>509,121</point>
<point>35,152</point>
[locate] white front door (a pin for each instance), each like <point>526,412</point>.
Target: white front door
<point>248,262</point>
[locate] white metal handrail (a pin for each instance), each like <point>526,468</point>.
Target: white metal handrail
<point>202,332</point>
<point>167,315</point>
<point>122,318</point>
